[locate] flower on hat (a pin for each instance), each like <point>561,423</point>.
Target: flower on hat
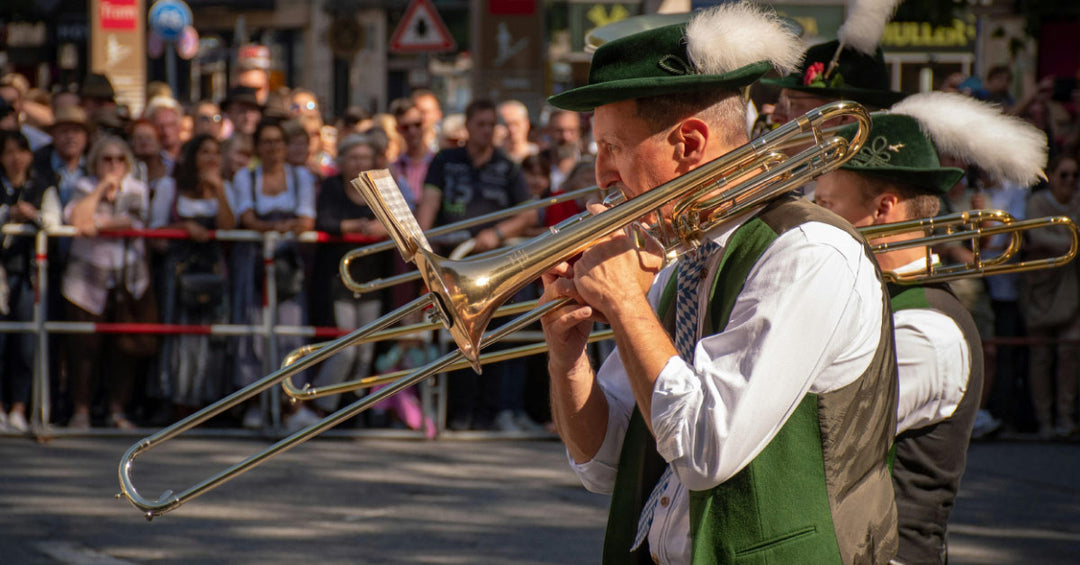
<point>814,74</point>
<point>816,77</point>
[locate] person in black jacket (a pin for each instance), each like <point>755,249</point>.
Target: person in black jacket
<point>25,198</point>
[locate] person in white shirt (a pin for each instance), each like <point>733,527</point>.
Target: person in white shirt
<point>896,177</point>
<point>763,428</point>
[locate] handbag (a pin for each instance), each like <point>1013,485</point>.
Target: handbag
<point>201,290</point>
<point>130,310</point>
<point>200,284</point>
<point>288,271</point>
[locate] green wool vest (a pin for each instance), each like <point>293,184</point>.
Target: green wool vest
<point>820,491</point>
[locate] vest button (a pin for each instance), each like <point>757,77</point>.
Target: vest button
<point>664,501</point>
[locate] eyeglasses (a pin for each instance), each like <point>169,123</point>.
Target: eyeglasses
<point>309,105</point>
<point>1068,174</point>
<point>112,159</point>
<point>210,118</point>
<point>410,125</point>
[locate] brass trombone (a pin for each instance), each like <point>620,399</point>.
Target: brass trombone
<point>465,294</point>
<point>444,231</point>
<point>793,142</point>
<point>971,226</point>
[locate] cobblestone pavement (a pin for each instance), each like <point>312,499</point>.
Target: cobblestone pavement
<point>343,501</point>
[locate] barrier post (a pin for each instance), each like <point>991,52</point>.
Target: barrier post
<point>39,398</point>
<point>269,319</point>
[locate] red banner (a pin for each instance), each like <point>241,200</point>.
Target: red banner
<point>512,7</point>
<point>118,14</point>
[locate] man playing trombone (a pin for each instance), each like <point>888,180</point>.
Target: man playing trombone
<point>898,177</point>
<point>750,404</point>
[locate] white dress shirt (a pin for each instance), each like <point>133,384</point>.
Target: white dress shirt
<point>808,319</point>
<point>933,361</point>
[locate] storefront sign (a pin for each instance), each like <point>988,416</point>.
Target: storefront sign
<point>922,36</point>
<point>508,60</point>
<point>512,7</point>
<point>118,14</point>
<point>119,51</point>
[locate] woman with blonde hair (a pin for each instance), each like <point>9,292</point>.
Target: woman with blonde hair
<point>105,276</point>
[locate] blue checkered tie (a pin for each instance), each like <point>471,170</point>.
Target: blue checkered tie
<point>691,266</point>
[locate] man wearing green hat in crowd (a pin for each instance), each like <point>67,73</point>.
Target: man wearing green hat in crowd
<point>857,76</point>
<point>758,430</point>
<point>851,67</point>
<point>898,176</point>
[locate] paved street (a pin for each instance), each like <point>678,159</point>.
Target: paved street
<point>341,501</point>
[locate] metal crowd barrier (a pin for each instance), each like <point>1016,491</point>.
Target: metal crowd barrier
<point>433,396</point>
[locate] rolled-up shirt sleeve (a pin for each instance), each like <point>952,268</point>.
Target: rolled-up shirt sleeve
<point>598,474</point>
<point>808,319</point>
<point>934,362</point>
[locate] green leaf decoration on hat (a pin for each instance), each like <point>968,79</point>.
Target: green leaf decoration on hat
<point>898,150</point>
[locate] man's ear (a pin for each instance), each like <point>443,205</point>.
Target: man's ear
<point>691,139</point>
<point>887,209</point>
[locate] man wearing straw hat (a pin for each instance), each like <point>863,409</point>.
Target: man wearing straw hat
<point>748,410</point>
<point>896,177</point>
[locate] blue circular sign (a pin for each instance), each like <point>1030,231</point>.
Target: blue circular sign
<point>169,18</point>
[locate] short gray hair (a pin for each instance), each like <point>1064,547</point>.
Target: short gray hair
<point>721,109</point>
<point>352,140</point>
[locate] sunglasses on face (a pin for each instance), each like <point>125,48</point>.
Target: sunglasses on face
<point>410,125</point>
<point>210,118</point>
<point>305,106</point>
<point>112,159</point>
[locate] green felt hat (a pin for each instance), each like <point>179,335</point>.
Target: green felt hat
<point>897,149</point>
<point>858,76</point>
<point>649,63</point>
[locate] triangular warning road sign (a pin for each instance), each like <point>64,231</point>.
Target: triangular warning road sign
<point>421,30</point>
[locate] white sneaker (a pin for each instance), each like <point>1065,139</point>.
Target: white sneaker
<point>985,424</point>
<point>4,422</point>
<point>302,418</point>
<point>505,422</point>
<point>17,422</point>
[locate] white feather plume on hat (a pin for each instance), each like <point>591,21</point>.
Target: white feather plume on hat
<point>978,133</point>
<point>729,36</point>
<point>865,24</point>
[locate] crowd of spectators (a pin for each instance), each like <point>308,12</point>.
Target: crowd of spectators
<point>275,161</point>
<point>261,160</point>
